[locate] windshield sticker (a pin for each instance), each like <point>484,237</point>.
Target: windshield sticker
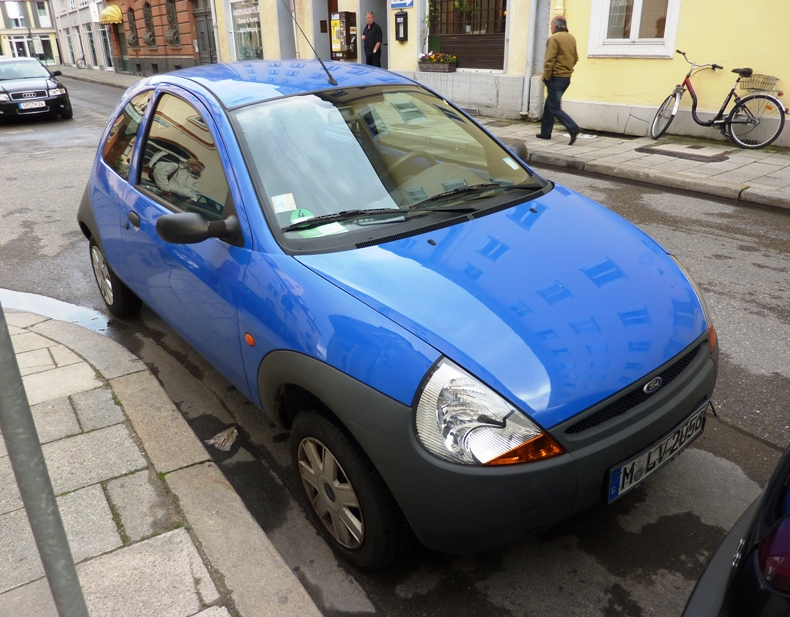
<point>300,215</point>
<point>510,163</point>
<point>415,193</point>
<point>283,203</point>
<point>329,229</point>
<point>451,185</point>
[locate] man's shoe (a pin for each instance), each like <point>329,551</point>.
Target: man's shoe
<point>574,135</point>
<point>539,136</point>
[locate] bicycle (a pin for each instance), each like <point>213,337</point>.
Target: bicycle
<point>80,62</point>
<point>755,121</point>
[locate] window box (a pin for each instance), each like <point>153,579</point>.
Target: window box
<point>437,67</point>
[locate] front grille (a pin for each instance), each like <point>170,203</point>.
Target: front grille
<point>26,96</point>
<point>633,398</point>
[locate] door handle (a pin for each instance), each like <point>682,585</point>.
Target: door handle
<point>134,219</point>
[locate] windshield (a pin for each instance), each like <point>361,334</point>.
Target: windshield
<point>22,70</point>
<point>332,162</point>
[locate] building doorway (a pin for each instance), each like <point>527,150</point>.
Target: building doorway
<point>379,9</point>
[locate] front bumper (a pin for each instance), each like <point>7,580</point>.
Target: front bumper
<point>464,509</point>
<point>52,105</point>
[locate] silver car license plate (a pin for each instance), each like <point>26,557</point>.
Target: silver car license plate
<point>32,104</point>
<point>633,472</point>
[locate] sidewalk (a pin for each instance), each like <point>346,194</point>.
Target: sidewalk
<point>153,525</point>
<point>715,168</point>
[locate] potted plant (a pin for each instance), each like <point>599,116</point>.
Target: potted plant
<point>437,62</point>
<point>465,8</point>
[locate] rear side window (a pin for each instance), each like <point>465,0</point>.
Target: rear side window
<point>181,164</point>
<point>117,151</point>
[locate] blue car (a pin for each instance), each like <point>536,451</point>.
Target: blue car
<point>462,350</point>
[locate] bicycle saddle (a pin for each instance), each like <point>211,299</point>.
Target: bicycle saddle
<point>743,72</point>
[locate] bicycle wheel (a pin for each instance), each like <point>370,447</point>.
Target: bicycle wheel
<point>756,121</point>
<point>80,63</point>
<point>664,117</point>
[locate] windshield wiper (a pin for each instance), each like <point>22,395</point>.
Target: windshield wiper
<point>345,215</point>
<point>468,190</point>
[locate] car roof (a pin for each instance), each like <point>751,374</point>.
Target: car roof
<point>242,83</point>
<point>19,59</point>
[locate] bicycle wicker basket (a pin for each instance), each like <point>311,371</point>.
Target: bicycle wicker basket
<point>758,82</point>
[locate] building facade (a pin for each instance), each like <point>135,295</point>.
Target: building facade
<point>83,40</point>
<point>26,29</point>
<point>627,61</point>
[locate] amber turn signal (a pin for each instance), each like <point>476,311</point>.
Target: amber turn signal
<point>535,449</point>
<point>249,339</point>
<point>712,339</point>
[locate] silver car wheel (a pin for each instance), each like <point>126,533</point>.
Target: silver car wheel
<point>331,494</point>
<point>102,274</point>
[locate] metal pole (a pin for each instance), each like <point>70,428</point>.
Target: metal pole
<point>35,486</point>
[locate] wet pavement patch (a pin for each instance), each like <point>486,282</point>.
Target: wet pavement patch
<point>690,152</point>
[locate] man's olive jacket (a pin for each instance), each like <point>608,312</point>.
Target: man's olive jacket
<point>561,56</point>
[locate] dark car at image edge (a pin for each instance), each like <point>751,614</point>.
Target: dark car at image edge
<point>28,88</point>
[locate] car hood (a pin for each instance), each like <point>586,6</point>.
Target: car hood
<point>556,303</point>
<point>31,83</point>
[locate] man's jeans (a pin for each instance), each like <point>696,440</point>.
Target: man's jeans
<point>551,110</point>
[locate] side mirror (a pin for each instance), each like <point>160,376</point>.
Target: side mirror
<point>191,228</point>
<point>520,150</point>
<point>56,73</point>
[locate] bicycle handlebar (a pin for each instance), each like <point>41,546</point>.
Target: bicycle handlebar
<point>694,65</point>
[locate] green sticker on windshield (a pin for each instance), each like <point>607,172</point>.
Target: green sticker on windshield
<point>300,214</point>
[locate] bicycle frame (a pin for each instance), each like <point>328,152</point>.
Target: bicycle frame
<point>686,85</point>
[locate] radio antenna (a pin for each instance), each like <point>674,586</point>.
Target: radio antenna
<point>328,74</point>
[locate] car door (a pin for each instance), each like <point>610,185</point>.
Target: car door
<point>108,188</point>
<point>194,287</point>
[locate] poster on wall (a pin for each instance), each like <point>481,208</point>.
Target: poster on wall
<point>247,29</point>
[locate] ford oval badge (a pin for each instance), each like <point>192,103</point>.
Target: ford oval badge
<point>652,385</point>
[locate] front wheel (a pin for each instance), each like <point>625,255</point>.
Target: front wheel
<point>664,117</point>
<point>756,121</point>
<point>354,509</point>
<point>80,63</point>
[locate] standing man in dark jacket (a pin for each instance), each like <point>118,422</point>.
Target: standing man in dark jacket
<point>561,57</point>
<point>371,38</point>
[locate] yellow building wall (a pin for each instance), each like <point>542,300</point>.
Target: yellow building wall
<point>732,33</point>
<point>269,30</point>
<point>223,26</point>
<point>403,54</point>
<point>518,18</point>
<point>304,14</point>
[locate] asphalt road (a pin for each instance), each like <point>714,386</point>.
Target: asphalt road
<point>638,557</point>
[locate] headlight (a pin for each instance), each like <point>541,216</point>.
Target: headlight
<point>57,91</point>
<point>3,96</point>
<point>705,310</point>
<point>462,420</point>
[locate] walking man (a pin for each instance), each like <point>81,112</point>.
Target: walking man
<point>371,38</point>
<point>561,57</point>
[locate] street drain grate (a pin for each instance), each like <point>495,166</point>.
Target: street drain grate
<point>690,152</point>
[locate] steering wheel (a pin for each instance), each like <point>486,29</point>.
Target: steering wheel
<point>414,154</point>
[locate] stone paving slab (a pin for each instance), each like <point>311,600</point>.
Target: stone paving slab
<point>97,409</point>
<point>90,530</point>
<point>59,382</point>
<point>92,457</point>
<point>141,504</point>
<point>169,442</point>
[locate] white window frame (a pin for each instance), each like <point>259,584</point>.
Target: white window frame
<point>600,46</point>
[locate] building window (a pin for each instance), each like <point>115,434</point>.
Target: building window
<point>105,44</point>
<point>72,5</point>
<point>14,12</point>
<point>43,15</point>
<point>172,36</point>
<point>639,28</point>
<point>149,38</point>
<point>133,39</point>
<point>472,30</point>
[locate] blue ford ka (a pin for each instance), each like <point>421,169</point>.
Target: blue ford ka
<point>462,350</point>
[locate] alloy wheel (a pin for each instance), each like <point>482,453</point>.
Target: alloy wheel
<point>102,273</point>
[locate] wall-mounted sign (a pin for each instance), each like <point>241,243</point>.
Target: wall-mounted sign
<point>401,4</point>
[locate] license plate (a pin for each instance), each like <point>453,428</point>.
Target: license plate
<point>32,104</point>
<point>633,472</point>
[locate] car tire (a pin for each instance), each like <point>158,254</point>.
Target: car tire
<point>119,299</point>
<point>68,114</point>
<point>371,532</point>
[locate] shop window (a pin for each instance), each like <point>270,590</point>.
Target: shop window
<point>472,30</point>
<point>640,28</point>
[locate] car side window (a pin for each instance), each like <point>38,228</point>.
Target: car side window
<point>180,162</point>
<point>117,151</point>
